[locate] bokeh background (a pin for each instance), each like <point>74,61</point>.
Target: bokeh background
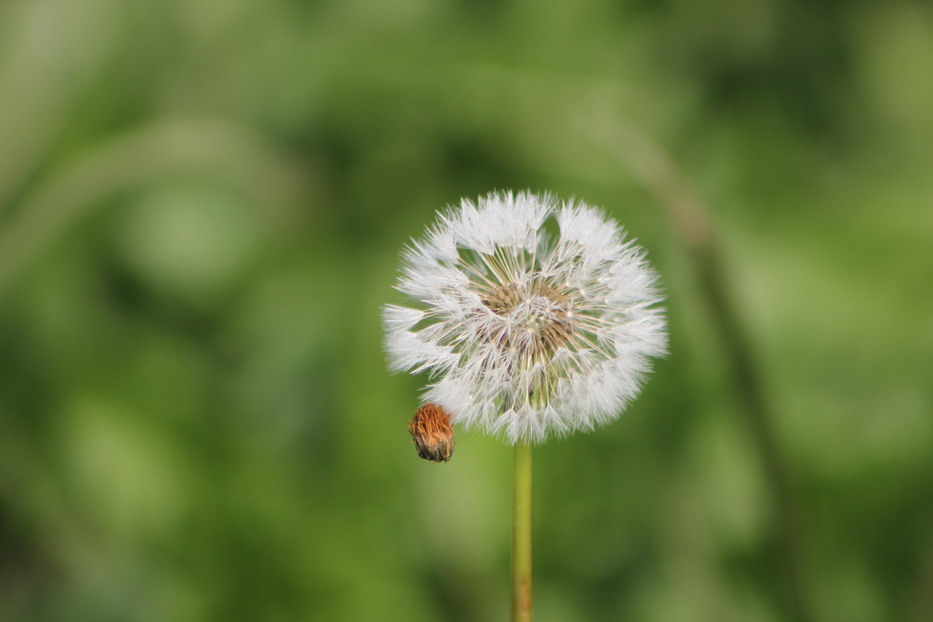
<point>201,210</point>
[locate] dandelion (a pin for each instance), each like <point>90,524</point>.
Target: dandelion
<point>533,318</point>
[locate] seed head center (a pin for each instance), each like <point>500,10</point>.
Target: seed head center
<point>536,320</point>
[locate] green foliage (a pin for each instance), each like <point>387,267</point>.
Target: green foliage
<point>201,209</point>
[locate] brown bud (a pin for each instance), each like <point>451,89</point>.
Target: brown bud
<point>432,432</point>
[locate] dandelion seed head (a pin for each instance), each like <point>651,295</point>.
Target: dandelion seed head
<point>533,317</point>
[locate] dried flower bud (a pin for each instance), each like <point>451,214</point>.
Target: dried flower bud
<point>432,432</point>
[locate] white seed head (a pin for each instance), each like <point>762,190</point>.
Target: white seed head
<point>532,316</point>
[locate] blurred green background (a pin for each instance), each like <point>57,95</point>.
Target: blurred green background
<point>201,210</point>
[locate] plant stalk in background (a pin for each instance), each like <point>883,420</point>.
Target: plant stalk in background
<point>691,223</point>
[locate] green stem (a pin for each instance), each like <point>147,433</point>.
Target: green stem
<point>521,534</point>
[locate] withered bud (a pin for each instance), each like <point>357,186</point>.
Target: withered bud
<point>432,432</point>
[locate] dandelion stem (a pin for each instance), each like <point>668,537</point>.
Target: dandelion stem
<point>521,534</point>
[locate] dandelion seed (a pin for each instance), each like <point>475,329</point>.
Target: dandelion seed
<point>532,317</point>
